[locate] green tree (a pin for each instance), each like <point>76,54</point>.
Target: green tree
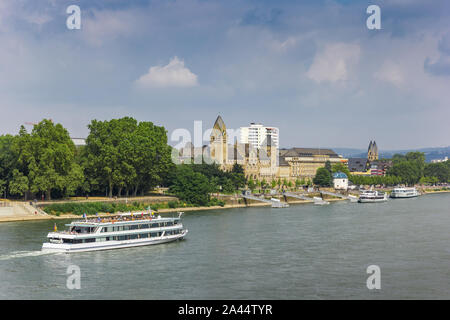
<point>48,154</point>
<point>322,178</point>
<point>251,185</point>
<point>340,167</point>
<point>19,183</point>
<point>190,186</point>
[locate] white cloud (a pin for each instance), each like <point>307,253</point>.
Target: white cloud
<point>334,63</point>
<point>175,74</point>
<point>390,72</point>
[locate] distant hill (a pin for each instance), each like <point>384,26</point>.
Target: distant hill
<point>430,153</point>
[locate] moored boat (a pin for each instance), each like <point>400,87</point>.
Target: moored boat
<point>403,192</point>
<point>120,231</point>
<point>368,196</point>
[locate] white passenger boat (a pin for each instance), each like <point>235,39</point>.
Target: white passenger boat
<point>402,192</point>
<point>368,196</point>
<point>320,201</point>
<point>120,231</point>
<point>276,203</point>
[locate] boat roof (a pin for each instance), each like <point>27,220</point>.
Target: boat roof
<point>98,221</point>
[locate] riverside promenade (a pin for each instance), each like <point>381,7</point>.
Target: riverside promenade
<point>23,211</point>
<point>20,211</point>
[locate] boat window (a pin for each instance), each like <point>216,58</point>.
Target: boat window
<point>89,240</point>
<point>101,239</point>
<point>123,238</point>
<point>126,228</point>
<point>153,234</point>
<point>169,223</point>
<point>77,240</point>
<point>143,235</point>
<point>155,225</point>
<point>134,227</point>
<point>144,226</point>
<point>133,236</point>
<point>67,240</point>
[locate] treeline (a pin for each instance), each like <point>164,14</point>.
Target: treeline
<point>121,157</point>
<point>194,183</point>
<point>408,169</point>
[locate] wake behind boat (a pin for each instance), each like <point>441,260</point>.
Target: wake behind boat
<point>121,231</point>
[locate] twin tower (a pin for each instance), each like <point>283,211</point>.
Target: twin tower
<point>372,151</point>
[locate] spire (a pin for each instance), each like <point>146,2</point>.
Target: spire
<point>220,124</point>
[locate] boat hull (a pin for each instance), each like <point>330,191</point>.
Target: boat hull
<point>372,200</point>
<point>403,196</point>
<point>109,245</point>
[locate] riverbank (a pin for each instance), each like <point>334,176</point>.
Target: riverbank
<point>183,209</point>
<point>160,211</point>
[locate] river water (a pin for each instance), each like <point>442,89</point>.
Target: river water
<point>301,252</point>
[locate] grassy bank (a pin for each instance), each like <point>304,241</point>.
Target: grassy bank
<point>91,208</point>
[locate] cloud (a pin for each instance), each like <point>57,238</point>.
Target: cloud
<point>391,73</point>
<point>441,65</point>
<point>174,74</point>
<point>334,63</point>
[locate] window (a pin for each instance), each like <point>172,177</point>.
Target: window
<point>155,225</point>
<point>143,235</point>
<point>122,237</point>
<point>144,226</point>
<point>134,227</point>
<point>126,228</point>
<point>154,234</point>
<point>89,240</point>
<point>133,236</point>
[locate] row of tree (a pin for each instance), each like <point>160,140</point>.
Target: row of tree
<point>119,155</point>
<point>194,183</point>
<point>406,169</point>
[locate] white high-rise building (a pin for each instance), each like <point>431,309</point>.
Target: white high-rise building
<point>256,134</point>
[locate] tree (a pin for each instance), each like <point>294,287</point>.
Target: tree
<point>238,176</point>
<point>190,186</point>
<point>340,167</point>
<point>19,183</point>
<point>122,154</point>
<point>328,166</point>
<point>8,161</point>
<point>251,184</point>
<point>47,157</point>
<point>323,178</point>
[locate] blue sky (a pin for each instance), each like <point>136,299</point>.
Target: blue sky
<point>311,68</point>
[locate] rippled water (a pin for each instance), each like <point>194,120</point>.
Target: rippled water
<point>302,252</point>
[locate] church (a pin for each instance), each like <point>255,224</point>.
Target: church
<point>268,162</point>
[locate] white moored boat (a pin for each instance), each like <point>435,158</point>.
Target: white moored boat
<point>368,196</point>
<point>120,231</point>
<point>402,192</point>
<point>276,203</point>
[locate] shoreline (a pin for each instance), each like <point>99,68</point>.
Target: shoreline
<point>171,210</point>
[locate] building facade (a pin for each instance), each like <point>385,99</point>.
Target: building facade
<point>256,134</point>
<point>264,161</point>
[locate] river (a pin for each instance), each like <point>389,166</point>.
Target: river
<point>301,252</point>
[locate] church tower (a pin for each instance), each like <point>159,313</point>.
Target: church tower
<point>372,151</point>
<point>218,140</point>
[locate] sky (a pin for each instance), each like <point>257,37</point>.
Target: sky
<point>311,68</point>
